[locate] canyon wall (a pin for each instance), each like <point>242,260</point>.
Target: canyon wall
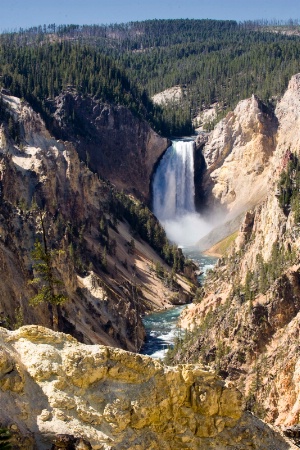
<point>233,167</point>
<point>237,156</point>
<point>115,143</point>
<point>107,274</point>
<point>247,324</point>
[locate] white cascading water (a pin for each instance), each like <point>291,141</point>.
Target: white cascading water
<point>174,195</point>
<point>173,185</point>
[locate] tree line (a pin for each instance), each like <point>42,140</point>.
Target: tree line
<point>214,61</point>
<point>38,73</point>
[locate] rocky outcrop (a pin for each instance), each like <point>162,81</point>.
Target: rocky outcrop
<point>119,146</point>
<point>57,391</point>
<point>201,140</point>
<point>171,95</point>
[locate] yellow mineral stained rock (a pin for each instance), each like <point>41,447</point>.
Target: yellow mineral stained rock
<point>51,385</point>
<point>238,155</point>
<point>247,152</point>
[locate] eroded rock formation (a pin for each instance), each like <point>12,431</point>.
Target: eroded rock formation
<point>237,156</point>
<point>56,390</point>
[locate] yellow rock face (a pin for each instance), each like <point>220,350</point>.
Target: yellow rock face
<point>238,155</point>
<point>50,384</point>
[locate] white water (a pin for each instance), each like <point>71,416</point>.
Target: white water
<point>174,195</point>
<point>173,186</point>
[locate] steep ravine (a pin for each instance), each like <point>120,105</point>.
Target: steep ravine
<point>107,273</point>
<point>247,324</point>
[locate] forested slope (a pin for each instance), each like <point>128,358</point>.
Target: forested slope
<point>41,72</point>
<point>214,61</point>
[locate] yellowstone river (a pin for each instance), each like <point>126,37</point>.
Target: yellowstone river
<point>161,327</point>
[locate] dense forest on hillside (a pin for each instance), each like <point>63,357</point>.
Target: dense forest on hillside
<point>214,61</point>
<point>38,73</point>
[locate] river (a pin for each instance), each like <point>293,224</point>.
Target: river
<point>161,327</point>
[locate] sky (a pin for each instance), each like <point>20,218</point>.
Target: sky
<point>15,14</point>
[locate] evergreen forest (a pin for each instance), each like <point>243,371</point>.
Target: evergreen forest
<point>214,61</point>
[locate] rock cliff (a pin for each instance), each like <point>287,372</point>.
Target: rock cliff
<point>237,157</point>
<point>238,153</point>
<point>170,95</point>
<point>247,324</point>
<point>107,274</point>
<point>119,146</point>
<point>56,390</point>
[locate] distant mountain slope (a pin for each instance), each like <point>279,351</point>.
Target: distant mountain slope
<point>214,61</point>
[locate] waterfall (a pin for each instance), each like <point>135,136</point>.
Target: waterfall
<point>173,192</point>
<point>173,184</point>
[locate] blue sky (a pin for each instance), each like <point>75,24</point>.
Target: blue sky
<point>25,13</point>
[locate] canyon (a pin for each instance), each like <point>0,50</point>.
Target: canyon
<point>106,270</point>
<point>53,180</point>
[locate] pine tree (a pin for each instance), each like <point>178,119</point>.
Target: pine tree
<point>104,259</point>
<point>48,285</point>
<point>4,439</point>
<point>45,279</point>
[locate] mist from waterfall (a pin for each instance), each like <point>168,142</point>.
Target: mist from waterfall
<point>174,195</point>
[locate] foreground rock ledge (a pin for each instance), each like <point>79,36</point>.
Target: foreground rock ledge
<point>51,385</point>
